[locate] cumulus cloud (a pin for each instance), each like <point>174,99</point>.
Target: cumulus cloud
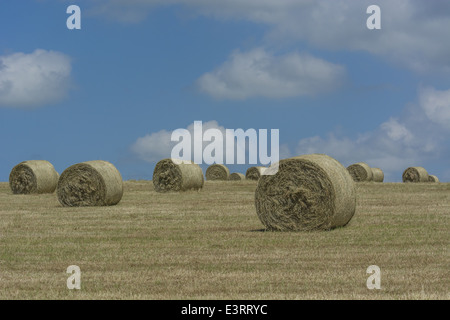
<point>35,79</point>
<point>413,139</point>
<point>396,131</point>
<point>436,105</point>
<point>418,137</point>
<point>153,147</point>
<point>257,73</point>
<point>158,145</point>
<point>413,33</point>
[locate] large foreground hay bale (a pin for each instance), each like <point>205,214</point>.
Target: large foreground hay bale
<point>254,173</point>
<point>91,183</point>
<point>236,176</point>
<point>360,172</point>
<point>415,174</point>
<point>34,176</point>
<point>310,192</point>
<point>378,175</point>
<point>433,178</point>
<point>217,172</point>
<point>177,175</point>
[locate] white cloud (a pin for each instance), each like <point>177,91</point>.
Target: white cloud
<point>35,79</point>
<point>375,150</point>
<point>436,105</point>
<point>397,131</point>
<point>257,73</point>
<point>413,33</point>
<point>158,145</point>
<point>410,140</point>
<point>153,147</point>
<point>398,143</point>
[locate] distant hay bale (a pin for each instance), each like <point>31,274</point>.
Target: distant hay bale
<point>254,173</point>
<point>360,172</point>
<point>309,192</point>
<point>415,174</point>
<point>34,176</point>
<point>378,175</point>
<point>177,175</point>
<point>217,172</point>
<point>236,176</point>
<point>91,183</point>
<point>433,178</point>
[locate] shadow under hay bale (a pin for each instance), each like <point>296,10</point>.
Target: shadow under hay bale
<point>33,177</point>
<point>177,175</point>
<point>236,176</point>
<point>360,172</point>
<point>91,183</point>
<point>309,192</point>
<point>378,175</point>
<point>415,174</point>
<point>254,173</point>
<point>217,172</point>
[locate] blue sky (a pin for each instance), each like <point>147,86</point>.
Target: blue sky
<point>137,70</point>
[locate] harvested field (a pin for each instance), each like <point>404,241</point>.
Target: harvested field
<point>209,244</point>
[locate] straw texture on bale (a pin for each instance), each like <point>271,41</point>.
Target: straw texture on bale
<point>433,178</point>
<point>378,175</point>
<point>254,173</point>
<point>415,174</point>
<point>177,175</point>
<point>360,172</point>
<point>309,192</point>
<point>91,183</point>
<point>217,172</point>
<point>235,176</point>
<point>34,176</point>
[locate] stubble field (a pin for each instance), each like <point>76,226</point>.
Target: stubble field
<point>211,245</point>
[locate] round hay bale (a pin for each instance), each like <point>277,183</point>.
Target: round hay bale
<point>177,175</point>
<point>33,177</point>
<point>217,172</point>
<point>360,172</point>
<point>309,192</point>
<point>378,175</point>
<point>254,173</point>
<point>91,183</point>
<point>433,178</point>
<point>415,174</point>
<point>236,176</point>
